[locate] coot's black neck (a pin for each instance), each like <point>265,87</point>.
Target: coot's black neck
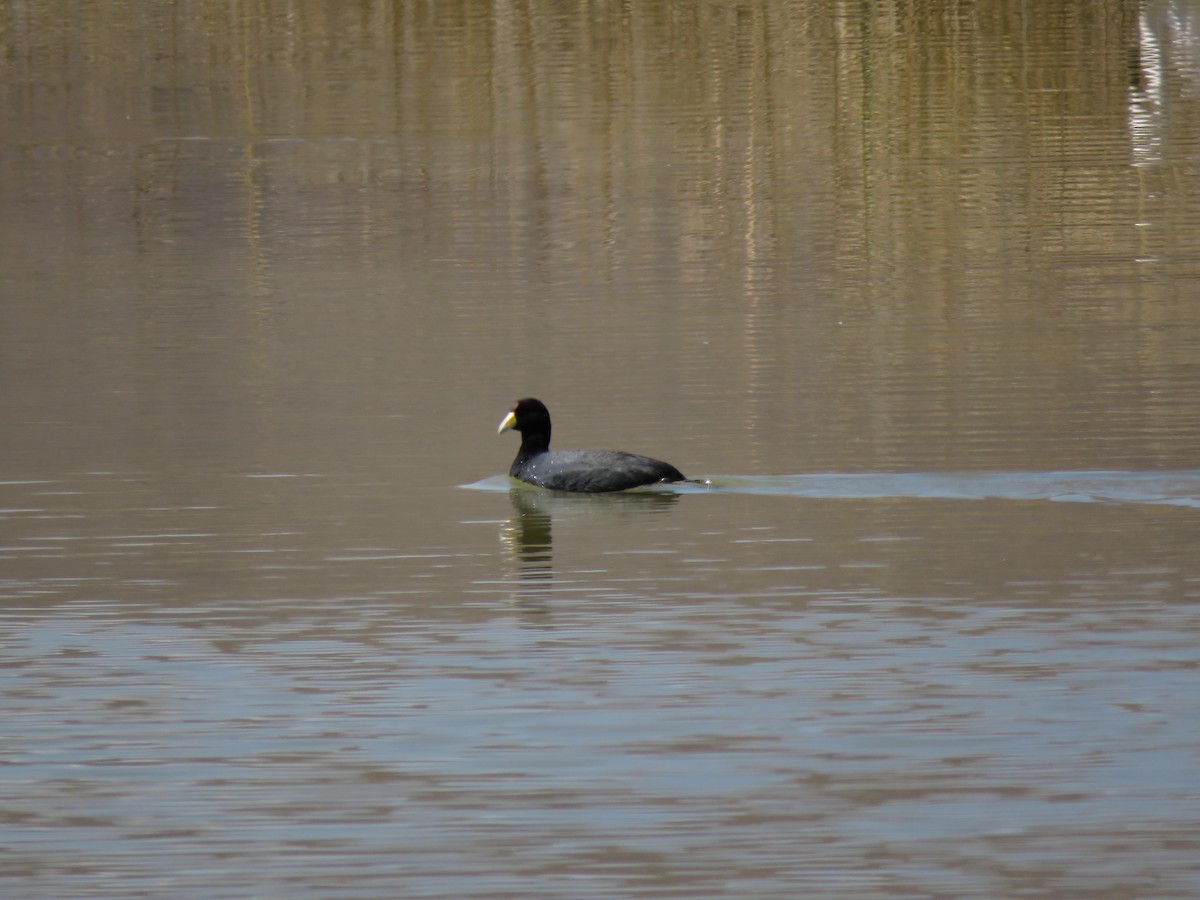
<point>533,443</point>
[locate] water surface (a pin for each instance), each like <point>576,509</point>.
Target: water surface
<point>896,279</point>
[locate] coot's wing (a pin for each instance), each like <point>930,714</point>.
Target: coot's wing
<point>595,471</point>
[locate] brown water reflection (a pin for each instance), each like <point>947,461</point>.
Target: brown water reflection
<point>901,275</point>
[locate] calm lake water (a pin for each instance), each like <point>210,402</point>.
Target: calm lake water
<point>914,287</point>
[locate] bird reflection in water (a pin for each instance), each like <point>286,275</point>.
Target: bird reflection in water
<point>528,534</point>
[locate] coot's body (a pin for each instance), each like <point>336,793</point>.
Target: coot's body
<point>583,471</point>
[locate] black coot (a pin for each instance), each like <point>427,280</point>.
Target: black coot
<point>589,471</point>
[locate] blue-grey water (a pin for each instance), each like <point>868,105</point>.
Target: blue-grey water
<point>911,290</point>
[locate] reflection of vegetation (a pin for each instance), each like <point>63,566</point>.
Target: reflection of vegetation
<point>949,180</point>
<point>750,115</point>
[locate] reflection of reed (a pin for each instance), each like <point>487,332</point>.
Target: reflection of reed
<point>872,218</point>
<point>529,533</point>
<point>1166,70</point>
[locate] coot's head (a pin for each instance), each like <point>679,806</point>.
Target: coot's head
<point>530,417</point>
